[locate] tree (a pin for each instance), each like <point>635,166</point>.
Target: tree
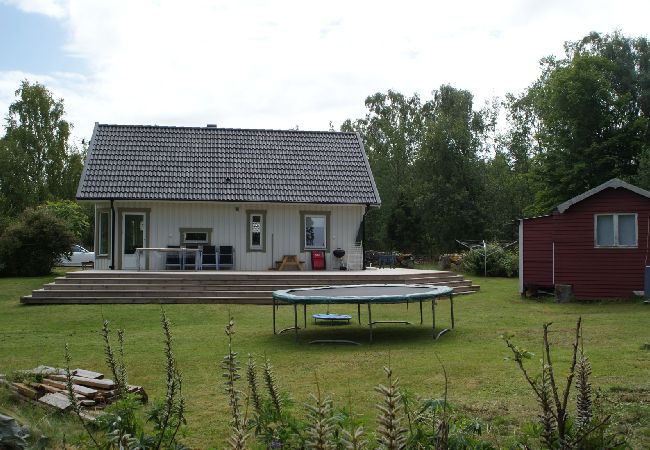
<point>591,115</point>
<point>449,169</point>
<point>37,162</point>
<point>392,136</point>
<point>74,216</point>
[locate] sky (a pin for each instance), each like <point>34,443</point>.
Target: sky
<point>281,64</point>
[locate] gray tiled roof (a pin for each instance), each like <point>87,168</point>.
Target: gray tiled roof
<point>222,164</point>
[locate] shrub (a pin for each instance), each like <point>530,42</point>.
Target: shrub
<point>32,245</point>
<point>500,262</point>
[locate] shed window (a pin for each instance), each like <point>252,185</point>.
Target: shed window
<point>616,230</point>
<point>102,245</point>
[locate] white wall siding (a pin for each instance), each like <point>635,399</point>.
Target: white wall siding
<point>228,222</point>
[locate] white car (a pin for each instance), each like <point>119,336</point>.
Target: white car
<point>79,256</point>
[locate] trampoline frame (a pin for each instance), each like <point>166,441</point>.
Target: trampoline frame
<point>293,297</point>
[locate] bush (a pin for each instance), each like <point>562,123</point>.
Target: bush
<point>500,262</point>
<point>32,245</point>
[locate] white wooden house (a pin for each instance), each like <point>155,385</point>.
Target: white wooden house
<point>266,193</point>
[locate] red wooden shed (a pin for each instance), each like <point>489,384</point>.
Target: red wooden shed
<point>596,242</point>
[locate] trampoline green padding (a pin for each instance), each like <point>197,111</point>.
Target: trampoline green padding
<point>367,294</point>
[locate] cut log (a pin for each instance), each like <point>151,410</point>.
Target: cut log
<point>100,384</point>
<point>58,400</point>
<point>88,374</point>
<point>25,390</point>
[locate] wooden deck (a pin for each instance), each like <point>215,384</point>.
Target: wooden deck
<point>125,287</point>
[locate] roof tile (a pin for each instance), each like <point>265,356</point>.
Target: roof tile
<point>219,164</point>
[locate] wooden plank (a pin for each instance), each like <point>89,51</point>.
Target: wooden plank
<point>87,403</point>
<point>88,374</point>
<point>57,384</point>
<point>46,388</point>
<point>25,390</point>
<point>58,400</point>
<point>100,384</point>
<point>83,391</point>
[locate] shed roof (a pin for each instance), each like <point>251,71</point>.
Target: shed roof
<point>135,162</point>
<point>614,183</point>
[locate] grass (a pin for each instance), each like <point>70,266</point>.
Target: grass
<point>482,382</point>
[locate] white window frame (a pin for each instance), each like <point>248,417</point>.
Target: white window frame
<point>304,231</point>
<point>262,245</point>
<point>185,231</point>
<point>103,251</point>
<point>616,244</point>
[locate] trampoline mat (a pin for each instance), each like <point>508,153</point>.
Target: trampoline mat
<point>362,293</point>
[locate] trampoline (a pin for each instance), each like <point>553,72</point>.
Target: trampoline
<point>359,294</point>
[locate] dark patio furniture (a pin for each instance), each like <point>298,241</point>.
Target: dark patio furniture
<point>209,257</point>
<point>226,257</point>
<point>173,259</point>
<point>189,259</point>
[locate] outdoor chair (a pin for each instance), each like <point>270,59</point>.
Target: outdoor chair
<point>226,257</point>
<point>172,259</point>
<point>209,257</point>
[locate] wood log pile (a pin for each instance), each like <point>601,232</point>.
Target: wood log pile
<point>47,385</point>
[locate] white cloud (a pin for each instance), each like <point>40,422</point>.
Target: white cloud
<point>52,8</point>
<point>277,64</point>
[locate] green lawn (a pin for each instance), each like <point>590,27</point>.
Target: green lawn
<point>481,381</point>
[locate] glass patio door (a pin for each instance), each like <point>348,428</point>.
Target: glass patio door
<point>133,236</point>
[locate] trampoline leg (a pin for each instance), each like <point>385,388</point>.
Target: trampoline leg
<point>421,319</point>
<point>433,317</point>
<point>370,320</point>
<point>295,321</point>
<point>359,313</point>
<point>451,302</point>
<point>304,313</point>
<point>274,316</point>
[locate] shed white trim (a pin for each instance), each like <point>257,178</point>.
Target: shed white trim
<point>614,183</point>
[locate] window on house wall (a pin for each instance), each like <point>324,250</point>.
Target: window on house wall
<point>315,231</point>
<point>103,233</point>
<point>256,225</point>
<point>195,236</point>
<point>616,230</point>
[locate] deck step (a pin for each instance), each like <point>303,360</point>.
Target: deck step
<point>129,287</point>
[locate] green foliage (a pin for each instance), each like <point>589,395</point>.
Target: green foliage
<point>557,429</point>
<point>426,160</point>
<point>75,216</point>
<point>275,424</point>
<point>37,163</point>
<point>589,116</point>
<point>32,245</point>
<point>500,262</point>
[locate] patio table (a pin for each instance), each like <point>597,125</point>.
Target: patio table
<point>198,259</point>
